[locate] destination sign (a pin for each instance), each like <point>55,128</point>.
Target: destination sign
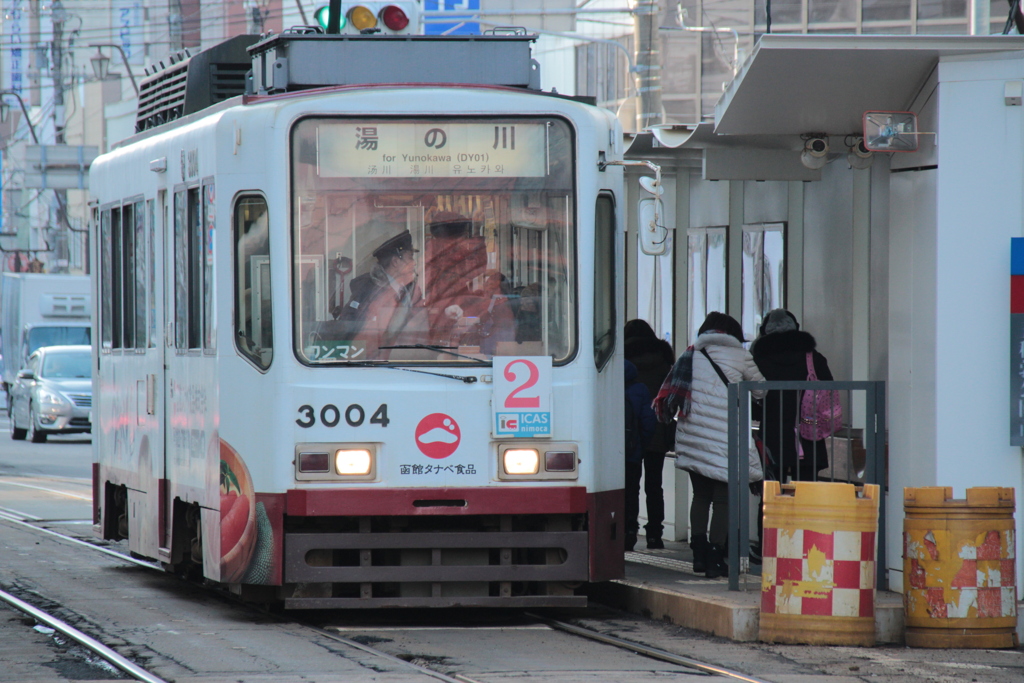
<point>431,149</point>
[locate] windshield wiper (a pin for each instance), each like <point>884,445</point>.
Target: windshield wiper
<point>468,379</point>
<point>439,349</point>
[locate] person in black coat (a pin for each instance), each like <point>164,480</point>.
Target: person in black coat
<point>780,352</point>
<point>653,358</point>
<point>641,425</point>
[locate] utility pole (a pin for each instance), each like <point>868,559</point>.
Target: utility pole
<point>648,63</point>
<point>61,237</point>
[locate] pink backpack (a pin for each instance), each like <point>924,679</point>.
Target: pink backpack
<point>821,413</point>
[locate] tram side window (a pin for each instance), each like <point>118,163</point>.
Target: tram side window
<point>180,273</point>
<point>188,272</point>
<point>127,279</point>
<point>206,242</point>
<point>139,272</point>
<point>604,280</point>
<point>116,282</point>
<point>106,281</point>
<point>151,269</point>
<point>253,312</point>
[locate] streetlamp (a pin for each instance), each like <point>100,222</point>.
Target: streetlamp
<point>101,63</point>
<point>28,119</point>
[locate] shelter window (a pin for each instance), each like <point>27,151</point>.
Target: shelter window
<point>764,272</point>
<point>706,256</point>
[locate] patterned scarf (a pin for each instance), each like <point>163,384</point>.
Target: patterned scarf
<point>674,394</point>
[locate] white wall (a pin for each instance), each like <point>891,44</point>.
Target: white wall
<point>980,176</point>
<point>911,387</point>
<point>949,256</point>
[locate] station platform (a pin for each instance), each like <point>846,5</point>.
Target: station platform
<point>661,584</point>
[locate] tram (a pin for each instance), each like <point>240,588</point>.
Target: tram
<point>356,325</point>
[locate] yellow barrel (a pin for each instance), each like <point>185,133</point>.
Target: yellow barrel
<point>959,576</point>
<point>818,571</point>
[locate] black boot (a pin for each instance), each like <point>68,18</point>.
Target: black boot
<point>699,546</point>
<point>716,562</point>
<point>654,541</point>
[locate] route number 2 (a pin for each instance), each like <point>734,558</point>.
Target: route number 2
<point>514,400</point>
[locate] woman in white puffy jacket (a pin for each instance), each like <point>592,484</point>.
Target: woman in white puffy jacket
<point>696,391</point>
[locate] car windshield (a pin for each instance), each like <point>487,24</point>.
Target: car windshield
<point>433,241</point>
<point>67,365</point>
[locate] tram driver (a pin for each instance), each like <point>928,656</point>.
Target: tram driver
<point>386,306</point>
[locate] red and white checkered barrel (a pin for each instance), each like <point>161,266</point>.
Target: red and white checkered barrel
<point>959,568</point>
<point>818,575</point>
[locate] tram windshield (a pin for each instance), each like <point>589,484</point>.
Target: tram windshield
<point>433,240</point>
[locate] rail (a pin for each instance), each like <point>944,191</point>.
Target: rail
<point>874,471</point>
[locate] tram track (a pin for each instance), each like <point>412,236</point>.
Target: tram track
<point>105,653</point>
<point>332,633</point>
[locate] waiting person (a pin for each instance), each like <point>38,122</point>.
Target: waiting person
<point>780,352</point>
<point>653,358</point>
<point>641,424</point>
<point>697,391</point>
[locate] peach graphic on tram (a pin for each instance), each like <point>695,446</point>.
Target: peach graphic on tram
<point>373,356</point>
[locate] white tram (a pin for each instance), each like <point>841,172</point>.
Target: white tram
<point>357,324</point>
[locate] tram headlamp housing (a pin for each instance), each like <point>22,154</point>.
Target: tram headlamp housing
<point>538,461</point>
<point>336,462</point>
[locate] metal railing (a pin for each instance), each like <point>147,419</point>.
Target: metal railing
<point>874,466</point>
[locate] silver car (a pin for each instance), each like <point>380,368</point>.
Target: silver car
<point>53,393</point>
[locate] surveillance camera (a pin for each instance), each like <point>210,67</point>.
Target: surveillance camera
<point>860,150</point>
<point>815,152</point>
<point>817,147</point>
<point>859,156</point>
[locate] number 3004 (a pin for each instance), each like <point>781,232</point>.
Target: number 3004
<point>330,415</point>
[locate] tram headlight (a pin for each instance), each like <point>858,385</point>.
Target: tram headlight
<point>354,462</point>
<point>521,461</point>
<point>545,462</point>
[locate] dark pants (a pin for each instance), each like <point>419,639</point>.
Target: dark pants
<point>710,498</point>
<point>651,468</point>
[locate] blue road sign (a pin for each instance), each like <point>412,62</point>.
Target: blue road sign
<point>461,21</point>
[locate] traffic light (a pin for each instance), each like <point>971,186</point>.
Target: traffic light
<point>398,17</point>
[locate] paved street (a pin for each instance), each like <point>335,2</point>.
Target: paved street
<point>46,481</point>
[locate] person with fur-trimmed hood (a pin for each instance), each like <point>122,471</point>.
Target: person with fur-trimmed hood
<point>695,390</point>
<point>780,352</point>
